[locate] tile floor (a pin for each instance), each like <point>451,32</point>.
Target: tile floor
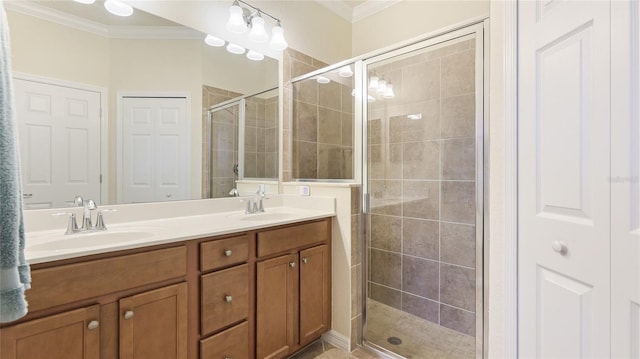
<point>420,339</point>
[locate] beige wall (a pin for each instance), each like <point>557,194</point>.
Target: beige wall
<point>37,49</point>
<point>409,19</point>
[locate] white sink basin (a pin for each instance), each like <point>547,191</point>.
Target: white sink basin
<point>90,239</point>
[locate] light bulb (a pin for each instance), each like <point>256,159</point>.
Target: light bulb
<point>322,80</point>
<point>255,56</point>
<point>258,33</point>
<point>213,41</point>
<point>118,8</point>
<point>236,23</point>
<point>345,71</point>
<point>388,94</point>
<point>382,87</point>
<point>277,42</point>
<point>373,82</point>
<point>371,99</point>
<point>87,2</point>
<point>235,49</point>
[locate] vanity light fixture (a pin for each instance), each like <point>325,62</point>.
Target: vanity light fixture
<point>382,86</point>
<point>250,17</point>
<point>414,116</point>
<point>118,8</point>
<point>388,93</point>
<point>322,80</point>
<point>345,71</point>
<point>371,99</point>
<point>235,49</point>
<point>86,2</point>
<point>214,41</point>
<point>373,82</point>
<point>255,56</point>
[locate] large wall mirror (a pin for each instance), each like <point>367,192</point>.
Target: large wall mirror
<point>117,109</point>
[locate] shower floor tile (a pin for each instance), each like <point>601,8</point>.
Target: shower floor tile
<point>420,339</point>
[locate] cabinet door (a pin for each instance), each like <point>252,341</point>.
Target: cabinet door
<point>277,305</point>
<point>154,324</point>
<point>315,293</point>
<point>71,335</point>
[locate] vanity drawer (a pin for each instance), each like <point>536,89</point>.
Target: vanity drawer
<point>224,252</point>
<point>73,282</point>
<point>225,298</point>
<point>285,239</point>
<point>232,343</point>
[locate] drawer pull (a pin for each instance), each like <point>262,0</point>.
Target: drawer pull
<point>128,314</point>
<point>292,264</point>
<point>93,324</point>
<point>228,253</point>
<point>227,357</point>
<point>228,298</point>
<point>304,260</point>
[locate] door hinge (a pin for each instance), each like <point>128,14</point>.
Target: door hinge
<point>101,178</point>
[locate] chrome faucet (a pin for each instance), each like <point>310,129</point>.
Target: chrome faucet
<point>257,205</point>
<point>87,225</point>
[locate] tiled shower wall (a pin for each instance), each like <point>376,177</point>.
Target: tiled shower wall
<point>294,64</point>
<point>261,138</point>
<point>323,128</point>
<point>422,185</point>
<point>224,134</point>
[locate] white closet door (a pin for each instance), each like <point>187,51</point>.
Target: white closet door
<point>625,177</point>
<point>564,159</point>
<point>155,149</point>
<point>59,135</point>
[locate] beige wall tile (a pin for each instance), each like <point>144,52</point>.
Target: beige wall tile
<point>458,202</point>
<point>328,167</point>
<point>385,161</point>
<point>385,295</point>
<point>458,286</point>
<point>421,307</point>
<point>458,116</point>
<point>459,159</point>
<point>421,82</point>
<point>306,91</point>
<point>329,126</point>
<point>420,199</point>
<point>458,320</point>
<point>420,277</point>
<point>306,125</point>
<point>421,160</point>
<point>428,128</point>
<point>386,232</point>
<point>386,197</point>
<point>458,74</point>
<point>330,95</point>
<point>388,268</point>
<point>420,238</point>
<point>458,244</point>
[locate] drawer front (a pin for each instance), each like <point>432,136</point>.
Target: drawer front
<point>232,343</point>
<point>225,298</point>
<point>285,239</point>
<point>73,282</point>
<point>224,252</point>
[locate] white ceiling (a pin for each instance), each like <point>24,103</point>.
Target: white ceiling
<point>356,10</point>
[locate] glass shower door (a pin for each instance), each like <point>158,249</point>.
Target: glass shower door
<point>423,177</point>
<point>222,165</point>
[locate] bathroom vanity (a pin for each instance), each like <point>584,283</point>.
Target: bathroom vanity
<point>264,291</point>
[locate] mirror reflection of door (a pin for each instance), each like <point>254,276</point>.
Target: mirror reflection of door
<point>155,149</point>
<point>59,135</point>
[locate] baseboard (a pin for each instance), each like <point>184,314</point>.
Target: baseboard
<point>337,340</point>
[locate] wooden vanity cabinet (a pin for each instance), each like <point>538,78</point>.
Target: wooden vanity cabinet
<point>259,294</point>
<point>293,297</point>
<point>70,335</point>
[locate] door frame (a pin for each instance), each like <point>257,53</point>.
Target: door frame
<point>510,227</point>
<point>120,95</point>
<point>104,119</point>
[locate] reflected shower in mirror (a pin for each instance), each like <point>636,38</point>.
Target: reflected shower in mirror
<point>109,107</point>
<point>243,135</point>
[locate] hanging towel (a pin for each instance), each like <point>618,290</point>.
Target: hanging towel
<point>15,276</point>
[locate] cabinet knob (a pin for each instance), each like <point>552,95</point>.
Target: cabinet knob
<point>304,260</point>
<point>228,253</point>
<point>560,247</point>
<point>93,324</point>
<point>128,314</point>
<point>228,298</point>
<point>292,264</point>
<point>227,357</point>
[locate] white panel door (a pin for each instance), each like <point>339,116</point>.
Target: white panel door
<point>59,134</point>
<point>625,180</point>
<point>564,213</point>
<point>155,149</point>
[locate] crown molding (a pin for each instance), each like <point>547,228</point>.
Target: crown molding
<point>115,32</point>
<point>339,8</point>
<point>371,7</point>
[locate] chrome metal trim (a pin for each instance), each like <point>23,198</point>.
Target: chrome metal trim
<point>236,99</point>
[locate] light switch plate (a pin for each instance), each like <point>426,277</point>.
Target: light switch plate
<point>304,190</point>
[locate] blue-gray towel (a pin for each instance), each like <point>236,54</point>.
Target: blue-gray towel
<point>15,277</point>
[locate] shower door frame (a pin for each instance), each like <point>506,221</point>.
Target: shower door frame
<point>480,30</point>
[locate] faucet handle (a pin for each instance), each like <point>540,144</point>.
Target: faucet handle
<point>72,225</point>
<point>100,219</point>
<point>78,201</point>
